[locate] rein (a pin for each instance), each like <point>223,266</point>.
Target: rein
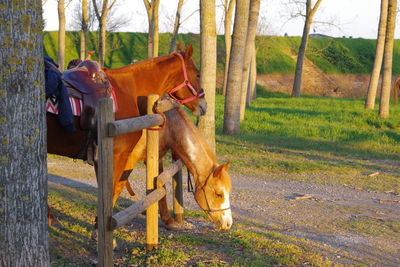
<point>187,83</point>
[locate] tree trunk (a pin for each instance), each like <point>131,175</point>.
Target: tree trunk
<point>250,39</point>
<point>177,24</point>
<point>23,169</point>
<point>233,93</point>
<point>310,12</point>
<point>388,60</point>
<point>251,94</point>
<point>61,34</point>
<point>152,16</point>
<point>84,29</point>
<point>229,7</point>
<point>380,42</point>
<point>208,67</point>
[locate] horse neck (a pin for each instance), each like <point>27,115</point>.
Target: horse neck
<point>152,76</point>
<point>186,141</point>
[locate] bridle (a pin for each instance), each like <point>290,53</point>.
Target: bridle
<point>209,209</point>
<point>187,83</point>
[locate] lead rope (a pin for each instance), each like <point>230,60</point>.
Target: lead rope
<point>189,182</point>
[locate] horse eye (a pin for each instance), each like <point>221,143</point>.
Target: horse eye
<point>219,195</point>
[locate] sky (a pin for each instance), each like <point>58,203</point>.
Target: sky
<point>356,18</point>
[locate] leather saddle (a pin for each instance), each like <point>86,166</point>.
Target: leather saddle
<point>89,83</point>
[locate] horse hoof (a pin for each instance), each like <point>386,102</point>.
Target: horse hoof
<point>173,226</point>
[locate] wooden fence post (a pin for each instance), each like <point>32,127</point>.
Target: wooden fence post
<point>178,196</point>
<point>151,174</point>
<point>105,183</point>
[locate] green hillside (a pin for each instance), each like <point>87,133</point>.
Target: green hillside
<point>332,55</point>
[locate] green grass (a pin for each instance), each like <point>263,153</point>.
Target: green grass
<point>319,135</point>
<point>332,55</point>
<point>71,244</point>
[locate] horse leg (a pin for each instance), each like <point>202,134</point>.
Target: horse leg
<point>165,215</point>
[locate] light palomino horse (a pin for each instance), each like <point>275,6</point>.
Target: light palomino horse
<point>212,181</point>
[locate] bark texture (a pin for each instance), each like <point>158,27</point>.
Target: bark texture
<point>229,6</point>
<point>208,68</point>
<point>380,44</point>
<point>23,169</point>
<point>250,39</point>
<point>388,60</point>
<point>310,12</point>
<point>61,34</point>
<point>233,92</point>
<point>177,24</point>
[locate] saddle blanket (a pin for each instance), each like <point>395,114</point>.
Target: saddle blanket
<point>76,104</point>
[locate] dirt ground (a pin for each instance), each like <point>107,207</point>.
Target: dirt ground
<point>348,225</point>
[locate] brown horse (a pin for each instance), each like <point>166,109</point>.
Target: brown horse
<point>174,74</point>
<point>212,182</point>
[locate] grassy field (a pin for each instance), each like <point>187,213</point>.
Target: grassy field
<point>71,244</point>
<point>313,135</point>
<point>332,55</point>
<point>317,139</point>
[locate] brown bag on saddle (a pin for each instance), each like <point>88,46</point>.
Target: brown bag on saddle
<point>89,83</point>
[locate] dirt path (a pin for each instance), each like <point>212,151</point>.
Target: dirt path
<point>347,225</point>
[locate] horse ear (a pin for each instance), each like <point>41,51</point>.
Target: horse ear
<point>180,47</point>
<point>218,170</point>
<point>189,51</point>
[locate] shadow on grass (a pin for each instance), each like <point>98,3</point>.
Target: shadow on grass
<point>334,240</point>
<point>304,147</point>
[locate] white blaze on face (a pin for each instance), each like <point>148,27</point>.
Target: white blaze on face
<point>226,216</point>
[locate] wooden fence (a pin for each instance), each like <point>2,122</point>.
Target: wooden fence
<point>107,222</point>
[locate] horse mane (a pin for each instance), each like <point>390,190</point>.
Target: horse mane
<point>199,137</point>
<point>143,64</point>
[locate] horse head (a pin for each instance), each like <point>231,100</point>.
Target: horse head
<point>213,196</point>
<point>193,97</point>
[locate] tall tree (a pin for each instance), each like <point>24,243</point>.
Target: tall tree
<point>23,169</point>
<point>177,24</point>
<point>251,90</point>
<point>248,55</point>
<point>84,29</point>
<point>388,60</point>
<point>309,16</point>
<point>229,6</point>
<point>61,34</point>
<point>152,7</point>
<point>208,67</point>
<point>380,44</point>
<point>234,83</point>
<point>102,19</point>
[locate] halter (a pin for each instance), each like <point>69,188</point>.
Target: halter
<point>187,83</point>
<point>209,209</point>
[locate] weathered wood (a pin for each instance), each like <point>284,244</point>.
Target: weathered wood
<point>169,172</point>
<point>177,187</point>
<point>105,183</point>
<point>151,174</point>
<point>165,105</point>
<point>134,124</point>
<point>125,216</point>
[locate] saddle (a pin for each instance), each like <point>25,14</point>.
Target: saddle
<point>88,83</point>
